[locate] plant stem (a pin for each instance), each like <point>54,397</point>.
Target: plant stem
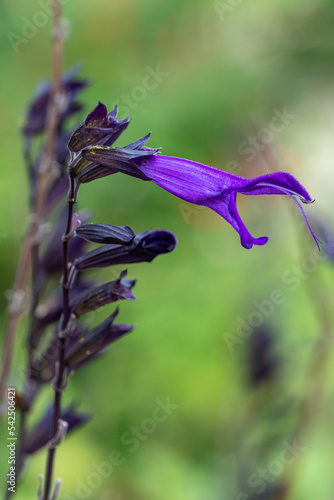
<point>45,176</point>
<point>63,326</point>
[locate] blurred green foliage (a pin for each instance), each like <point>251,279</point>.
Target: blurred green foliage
<point>226,71</point>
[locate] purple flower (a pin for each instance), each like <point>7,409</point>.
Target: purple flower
<point>216,189</point>
<point>190,181</point>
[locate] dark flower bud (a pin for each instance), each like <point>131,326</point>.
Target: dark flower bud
<point>40,435</point>
<point>145,247</point>
<point>100,295</point>
<point>91,343</point>
<point>98,128</point>
<point>36,116</point>
<point>106,234</point>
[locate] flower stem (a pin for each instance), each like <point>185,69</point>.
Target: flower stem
<point>62,337</point>
<point>46,174</point>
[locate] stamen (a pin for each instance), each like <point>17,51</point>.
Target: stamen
<point>290,194</point>
<point>307,222</point>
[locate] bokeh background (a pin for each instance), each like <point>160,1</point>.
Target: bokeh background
<point>244,394</point>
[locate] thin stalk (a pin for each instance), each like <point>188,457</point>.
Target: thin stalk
<point>45,176</point>
<point>63,327</point>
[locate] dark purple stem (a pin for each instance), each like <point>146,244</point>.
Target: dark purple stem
<point>63,325</point>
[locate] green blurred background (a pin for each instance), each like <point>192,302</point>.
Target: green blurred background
<point>228,67</point>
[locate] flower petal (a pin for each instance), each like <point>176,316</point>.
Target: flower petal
<point>228,210</point>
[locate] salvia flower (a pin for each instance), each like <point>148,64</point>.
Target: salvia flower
<point>191,181</point>
<point>98,128</point>
<point>216,189</point>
